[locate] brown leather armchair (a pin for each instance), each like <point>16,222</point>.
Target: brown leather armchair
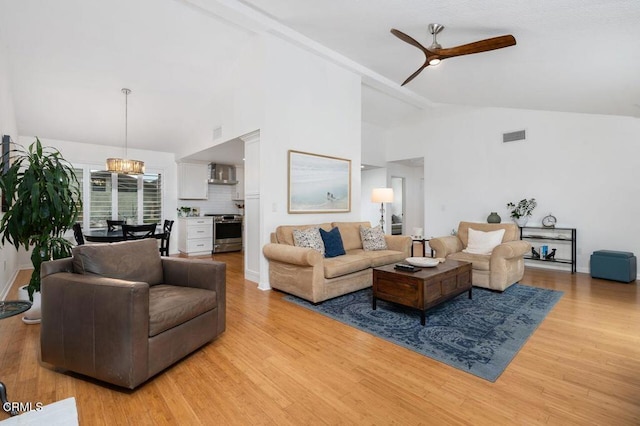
<point>120,313</point>
<point>496,271</point>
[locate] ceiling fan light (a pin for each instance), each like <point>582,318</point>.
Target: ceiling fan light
<point>434,61</point>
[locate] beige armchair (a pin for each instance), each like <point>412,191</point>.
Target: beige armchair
<point>495,271</point>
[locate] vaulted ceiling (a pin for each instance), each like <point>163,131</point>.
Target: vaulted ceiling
<point>571,55</point>
<point>70,58</point>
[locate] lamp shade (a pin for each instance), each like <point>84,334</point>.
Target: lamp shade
<point>124,166</point>
<point>382,195</point>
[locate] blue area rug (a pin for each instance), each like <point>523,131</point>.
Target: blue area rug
<point>480,336</point>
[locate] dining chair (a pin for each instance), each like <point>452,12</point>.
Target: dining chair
<point>138,232</point>
<point>112,224</point>
<point>166,236</point>
<point>77,233</point>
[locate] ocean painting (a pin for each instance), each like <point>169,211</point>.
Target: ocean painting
<point>318,183</point>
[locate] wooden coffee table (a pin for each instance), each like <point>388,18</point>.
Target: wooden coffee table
<point>422,289</point>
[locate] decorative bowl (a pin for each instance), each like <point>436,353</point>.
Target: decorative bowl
<point>422,262</point>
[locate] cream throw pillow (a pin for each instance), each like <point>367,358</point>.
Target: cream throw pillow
<point>483,242</point>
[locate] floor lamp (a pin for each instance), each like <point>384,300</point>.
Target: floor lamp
<point>382,195</point>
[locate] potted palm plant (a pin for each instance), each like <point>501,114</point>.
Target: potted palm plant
<point>43,201</point>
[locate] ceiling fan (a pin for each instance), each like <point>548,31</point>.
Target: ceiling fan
<point>435,53</point>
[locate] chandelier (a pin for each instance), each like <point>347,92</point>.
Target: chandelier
<point>124,165</point>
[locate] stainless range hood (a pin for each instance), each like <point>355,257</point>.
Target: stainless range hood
<point>222,174</point>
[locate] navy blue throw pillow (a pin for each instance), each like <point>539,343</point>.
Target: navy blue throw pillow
<point>332,242</point>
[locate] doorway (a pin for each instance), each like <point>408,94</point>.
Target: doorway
<point>398,205</point>
<point>408,176</point>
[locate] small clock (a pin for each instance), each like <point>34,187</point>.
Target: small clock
<point>549,221</point>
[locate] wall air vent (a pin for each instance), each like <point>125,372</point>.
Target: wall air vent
<point>217,133</point>
<point>519,135</point>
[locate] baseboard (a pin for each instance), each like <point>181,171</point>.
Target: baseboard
<point>8,285</point>
<point>264,286</point>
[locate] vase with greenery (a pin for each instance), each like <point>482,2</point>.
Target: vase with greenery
<point>43,198</point>
<point>521,212</point>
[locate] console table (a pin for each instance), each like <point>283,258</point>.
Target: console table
<point>565,238</point>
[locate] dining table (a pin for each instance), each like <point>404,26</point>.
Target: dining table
<point>114,236</point>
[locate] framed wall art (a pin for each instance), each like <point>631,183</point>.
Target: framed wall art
<point>318,183</point>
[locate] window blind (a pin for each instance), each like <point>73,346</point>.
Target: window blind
<point>101,200</point>
<point>152,198</point>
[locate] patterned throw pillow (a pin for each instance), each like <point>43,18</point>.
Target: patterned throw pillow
<point>372,238</point>
<point>310,238</point>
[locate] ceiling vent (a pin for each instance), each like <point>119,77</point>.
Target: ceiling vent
<point>518,135</point>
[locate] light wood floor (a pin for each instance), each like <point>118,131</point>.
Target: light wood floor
<point>280,364</point>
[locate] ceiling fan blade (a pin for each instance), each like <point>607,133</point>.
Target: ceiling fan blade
<point>408,39</point>
<point>477,47</point>
<point>415,74</point>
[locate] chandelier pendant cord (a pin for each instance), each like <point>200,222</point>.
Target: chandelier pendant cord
<point>126,120</point>
<point>125,165</point>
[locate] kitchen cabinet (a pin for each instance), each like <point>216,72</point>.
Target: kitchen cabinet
<point>195,235</point>
<point>192,181</point>
<point>239,192</point>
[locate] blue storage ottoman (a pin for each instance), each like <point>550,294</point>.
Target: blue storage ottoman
<point>613,265</point>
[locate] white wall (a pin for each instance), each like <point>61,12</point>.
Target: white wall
<point>580,167</point>
<point>374,140</point>
<point>8,254</point>
<point>239,109</point>
<point>314,106</point>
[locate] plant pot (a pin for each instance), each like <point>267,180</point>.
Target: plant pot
<point>521,221</point>
<point>32,316</point>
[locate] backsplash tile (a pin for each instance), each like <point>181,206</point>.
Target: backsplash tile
<point>220,200</point>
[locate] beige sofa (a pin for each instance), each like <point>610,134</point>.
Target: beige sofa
<point>305,273</point>
<point>496,271</point>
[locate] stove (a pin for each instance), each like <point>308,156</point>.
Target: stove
<point>227,232</point>
<point>221,217</point>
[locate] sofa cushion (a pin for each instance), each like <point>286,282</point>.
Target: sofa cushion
<point>384,257</point>
<point>310,238</point>
<point>284,234</point>
<point>373,238</point>
<point>346,264</point>
<point>137,260</point>
<point>483,242</point>
<point>172,305</point>
<point>332,242</point>
<point>479,262</point>
<point>350,232</point>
